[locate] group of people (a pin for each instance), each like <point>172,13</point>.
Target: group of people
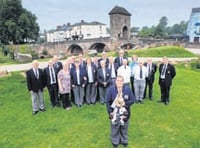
<point>116,82</point>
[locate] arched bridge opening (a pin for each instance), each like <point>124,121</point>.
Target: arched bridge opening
<point>127,46</point>
<point>99,47</point>
<point>75,49</point>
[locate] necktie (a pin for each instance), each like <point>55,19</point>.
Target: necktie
<point>120,60</point>
<point>141,73</point>
<point>163,70</point>
<point>104,77</point>
<point>52,75</point>
<point>149,71</point>
<point>36,73</point>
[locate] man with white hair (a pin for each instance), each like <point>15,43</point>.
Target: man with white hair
<point>35,85</point>
<point>140,74</point>
<point>125,72</point>
<point>103,78</point>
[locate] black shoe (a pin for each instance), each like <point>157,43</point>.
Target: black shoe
<point>35,112</point>
<point>125,144</point>
<point>166,103</point>
<point>115,145</point>
<point>43,110</point>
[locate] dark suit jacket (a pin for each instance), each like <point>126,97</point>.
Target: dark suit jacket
<point>94,72</point>
<point>100,77</point>
<point>169,74</point>
<point>34,84</point>
<point>58,65</point>
<point>152,72</point>
<point>107,62</point>
<point>117,60</point>
<point>82,74</point>
<point>48,77</point>
<point>116,66</point>
<point>127,96</point>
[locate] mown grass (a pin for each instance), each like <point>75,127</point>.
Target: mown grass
<point>152,125</point>
<point>169,51</point>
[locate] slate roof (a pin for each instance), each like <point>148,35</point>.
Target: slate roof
<point>119,10</point>
<point>82,23</point>
<point>196,9</point>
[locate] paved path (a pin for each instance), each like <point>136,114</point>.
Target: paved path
<point>24,67</point>
<point>194,50</point>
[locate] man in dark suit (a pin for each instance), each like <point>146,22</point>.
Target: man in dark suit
<point>119,59</point>
<point>167,73</point>
<point>35,85</point>
<point>151,69</point>
<point>51,82</point>
<point>119,133</point>
<point>103,57</point>
<point>103,78</point>
<point>91,87</point>
<point>57,64</point>
<point>113,69</point>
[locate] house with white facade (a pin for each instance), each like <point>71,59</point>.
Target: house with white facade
<point>78,31</point>
<point>193,29</point>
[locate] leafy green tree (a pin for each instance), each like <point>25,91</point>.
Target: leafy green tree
<point>146,32</point>
<point>160,29</point>
<point>17,25</point>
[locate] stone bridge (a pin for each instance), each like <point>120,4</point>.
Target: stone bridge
<point>74,47</point>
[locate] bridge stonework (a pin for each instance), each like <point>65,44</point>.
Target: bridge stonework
<point>79,46</point>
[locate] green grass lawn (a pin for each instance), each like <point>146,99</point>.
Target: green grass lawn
<point>152,125</point>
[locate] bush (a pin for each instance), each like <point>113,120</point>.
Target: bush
<point>45,52</point>
<point>195,64</point>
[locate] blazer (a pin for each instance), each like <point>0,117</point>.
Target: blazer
<point>117,60</point>
<point>94,72</point>
<point>34,84</point>
<point>82,74</point>
<point>116,66</point>
<point>127,96</point>
<point>48,77</point>
<point>151,76</point>
<point>58,66</point>
<point>100,77</point>
<point>107,62</point>
<point>169,74</point>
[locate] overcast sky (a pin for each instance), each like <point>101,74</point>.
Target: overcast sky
<point>51,13</point>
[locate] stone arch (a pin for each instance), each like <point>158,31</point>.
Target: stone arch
<point>99,47</point>
<point>127,46</point>
<point>75,49</point>
<point>125,32</point>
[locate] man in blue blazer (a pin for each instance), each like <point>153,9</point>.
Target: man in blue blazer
<point>79,81</point>
<point>119,133</point>
<point>104,79</point>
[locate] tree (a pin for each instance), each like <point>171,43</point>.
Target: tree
<point>17,25</point>
<point>160,29</point>
<point>146,32</point>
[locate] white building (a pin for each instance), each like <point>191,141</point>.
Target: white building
<point>78,31</point>
<point>193,29</point>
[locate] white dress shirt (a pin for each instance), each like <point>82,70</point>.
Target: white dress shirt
<point>125,73</point>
